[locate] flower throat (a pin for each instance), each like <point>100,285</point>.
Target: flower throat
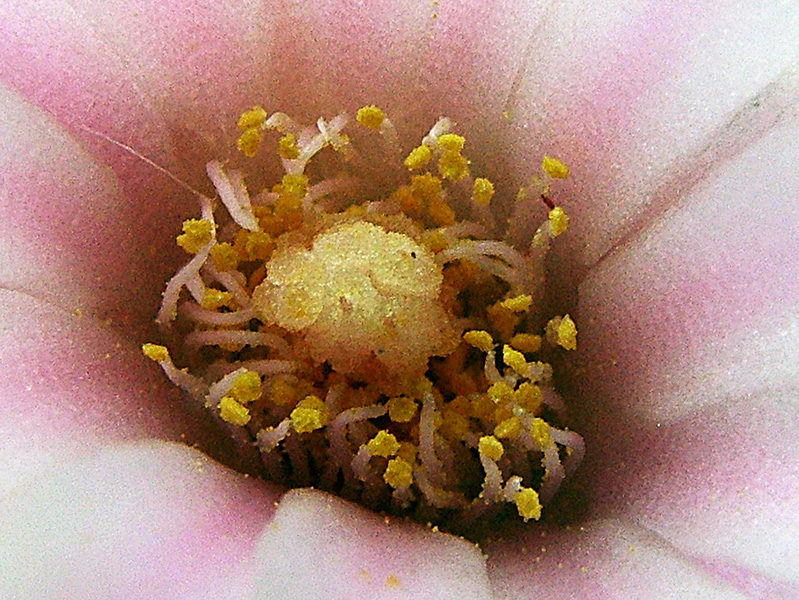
<point>368,328</point>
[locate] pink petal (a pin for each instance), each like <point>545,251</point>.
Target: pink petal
<point>146,520</point>
<point>318,546</point>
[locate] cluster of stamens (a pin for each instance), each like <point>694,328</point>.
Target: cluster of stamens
<point>383,343</point>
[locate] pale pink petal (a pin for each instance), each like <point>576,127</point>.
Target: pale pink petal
<point>318,546</point>
<point>147,520</point>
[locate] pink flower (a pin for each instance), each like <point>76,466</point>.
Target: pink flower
<point>680,124</point>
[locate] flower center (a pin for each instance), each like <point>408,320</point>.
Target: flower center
<point>376,342</point>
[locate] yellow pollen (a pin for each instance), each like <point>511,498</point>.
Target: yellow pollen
<point>249,142</point>
<point>451,142</point>
<point>559,220</point>
<point>509,428</point>
<point>310,415</point>
<point>232,412</point>
<point>216,299</point>
<point>500,392</point>
<point>517,303</point>
<point>255,117</point>
<point>225,257</point>
<point>539,429</point>
<point>482,191</point>
<point>426,186</point>
<point>453,166</point>
<point>294,186</point>
<point>401,409</point>
<point>247,387</point>
<point>287,147</point>
<point>554,167</point>
<point>528,504</point>
<point>529,397</point>
<point>480,339</point>
<point>258,245</point>
<point>563,332</point>
<point>196,234</point>
<point>371,116</point>
<point>491,447</point>
<point>155,352</point>
<point>383,444</point>
<point>515,360</point>
<point>419,157</point>
<point>399,473</point>
<point>526,342</point>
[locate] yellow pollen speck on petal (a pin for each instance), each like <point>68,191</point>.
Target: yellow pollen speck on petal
<point>482,191</point>
<point>554,167</point>
<point>479,339</point>
<point>393,581</point>
<point>515,360</point>
<point>401,409</point>
<point>233,412</point>
<point>287,147</point>
<point>559,220</point>
<point>225,257</point>
<point>249,142</point>
<point>528,504</point>
<point>310,414</point>
<point>451,142</point>
<point>216,299</point>
<point>255,117</point>
<point>155,352</point>
<point>563,332</point>
<point>371,117</point>
<point>453,166</point>
<point>399,473</point>
<point>491,447</point>
<point>508,429</point>
<point>418,157</point>
<point>383,444</point>
<point>196,234</point>
<point>526,342</point>
<point>247,387</point>
<point>517,303</point>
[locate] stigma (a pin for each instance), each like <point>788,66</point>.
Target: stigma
<point>368,325</point>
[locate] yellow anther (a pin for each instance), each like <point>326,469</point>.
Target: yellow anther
<point>399,473</point>
<point>528,504</point>
<point>435,241</point>
<point>294,186</point>
<point>526,342</point>
<point>482,191</point>
<point>225,257</point>
<point>411,204</point>
<point>383,444</point>
<point>249,142</point>
<point>491,447</point>
<point>233,412</point>
<point>155,352</point>
<point>453,166</point>
<point>215,299</point>
<point>283,393</point>
<point>371,116</point>
<point>401,409</point>
<point>563,332</point>
<point>515,360</point>
<point>258,245</point>
<point>440,212</point>
<point>196,234</point>
<point>454,426</point>
<point>480,339</point>
<point>426,186</point>
<point>451,142</point>
<point>255,117</point>
<point>408,452</point>
<point>287,147</point>
<point>517,303</point>
<point>558,220</point>
<point>529,397</point>
<point>503,320</point>
<point>539,429</point>
<point>310,414</point>
<point>500,392</point>
<point>554,167</point>
<point>247,387</point>
<point>418,157</point>
<point>422,386</point>
<point>508,429</point>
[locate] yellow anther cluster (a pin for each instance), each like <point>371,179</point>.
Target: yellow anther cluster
<point>563,332</point>
<point>196,234</point>
<point>233,412</point>
<point>287,147</point>
<point>250,123</point>
<point>480,339</point>
<point>482,191</point>
<point>371,116</point>
<point>399,473</point>
<point>559,220</point>
<point>214,299</point>
<point>528,504</point>
<point>453,165</point>
<point>555,168</point>
<point>247,387</point>
<point>419,157</point>
<point>383,444</point>
<point>491,447</point>
<point>225,257</point>
<point>155,352</point>
<point>310,415</point>
<point>401,409</point>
